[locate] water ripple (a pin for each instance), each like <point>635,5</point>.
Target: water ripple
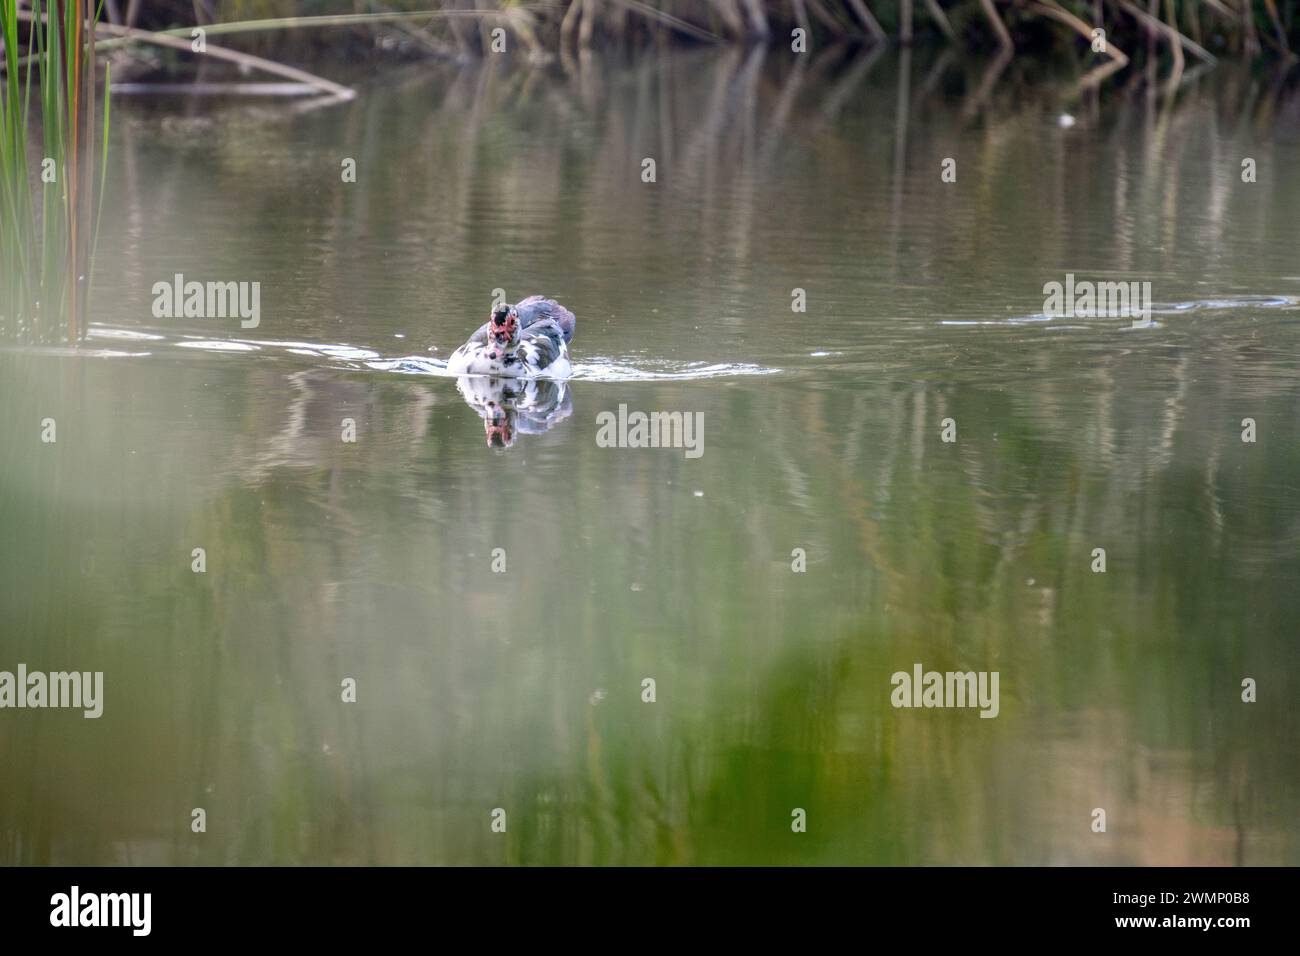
<point>1157,308</point>
<point>599,369</point>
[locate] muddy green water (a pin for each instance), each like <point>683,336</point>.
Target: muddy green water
<point>372,560</point>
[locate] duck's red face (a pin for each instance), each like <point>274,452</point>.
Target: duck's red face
<point>503,327</point>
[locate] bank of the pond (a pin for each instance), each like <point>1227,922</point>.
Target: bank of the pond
<point>1173,30</point>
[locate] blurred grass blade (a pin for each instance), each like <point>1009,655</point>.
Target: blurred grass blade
<point>45,259</point>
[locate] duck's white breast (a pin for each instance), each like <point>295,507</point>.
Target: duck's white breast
<point>472,359</point>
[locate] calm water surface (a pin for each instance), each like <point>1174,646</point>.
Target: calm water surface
<point>523,691</point>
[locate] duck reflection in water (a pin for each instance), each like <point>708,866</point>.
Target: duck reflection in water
<point>509,406</point>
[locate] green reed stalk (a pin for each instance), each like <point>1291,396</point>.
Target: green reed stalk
<point>14,198</point>
<point>46,259</point>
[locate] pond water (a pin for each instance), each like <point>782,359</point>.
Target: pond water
<point>372,560</point>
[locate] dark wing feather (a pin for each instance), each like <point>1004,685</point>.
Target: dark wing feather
<point>536,308</point>
<point>545,337</point>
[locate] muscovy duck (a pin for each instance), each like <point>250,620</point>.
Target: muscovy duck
<point>530,338</point>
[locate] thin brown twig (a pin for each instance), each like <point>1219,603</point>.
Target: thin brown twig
<point>1051,8</point>
<point>999,28</point>
<point>219,53</point>
<point>1159,28</point>
<point>1280,43</point>
<point>941,19</point>
<point>867,18</point>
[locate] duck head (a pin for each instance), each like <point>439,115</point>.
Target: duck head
<point>503,329</point>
